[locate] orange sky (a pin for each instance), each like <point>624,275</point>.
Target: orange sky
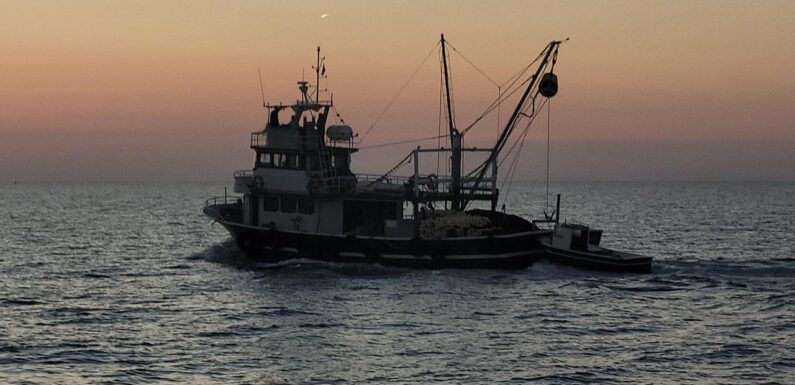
<point>151,90</point>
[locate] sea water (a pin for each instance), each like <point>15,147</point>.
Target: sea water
<point>130,284</point>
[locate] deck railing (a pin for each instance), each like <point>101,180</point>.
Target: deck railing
<point>223,200</point>
<point>285,141</point>
<point>294,141</point>
<point>427,183</point>
<point>378,178</point>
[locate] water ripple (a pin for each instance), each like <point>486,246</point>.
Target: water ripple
<point>130,284</point>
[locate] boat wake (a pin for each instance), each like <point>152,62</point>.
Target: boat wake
<point>225,252</point>
<point>740,268</point>
<point>710,272</point>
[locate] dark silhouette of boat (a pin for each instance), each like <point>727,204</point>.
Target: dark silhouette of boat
<point>578,245</point>
<point>301,199</point>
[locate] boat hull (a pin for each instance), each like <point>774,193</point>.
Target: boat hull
<point>512,251</point>
<point>615,261</point>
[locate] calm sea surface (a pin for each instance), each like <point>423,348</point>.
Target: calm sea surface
<point>130,284</point>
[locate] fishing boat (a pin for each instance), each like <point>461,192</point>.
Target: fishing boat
<point>577,244</point>
<point>302,200</point>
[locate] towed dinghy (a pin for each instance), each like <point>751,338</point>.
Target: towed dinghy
<point>578,245</point>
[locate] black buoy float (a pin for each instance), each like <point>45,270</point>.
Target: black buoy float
<point>549,85</point>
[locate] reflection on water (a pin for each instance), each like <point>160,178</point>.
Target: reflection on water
<point>130,284</point>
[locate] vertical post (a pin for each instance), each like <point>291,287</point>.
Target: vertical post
<point>455,186</point>
<point>416,183</point>
<point>224,194</point>
<point>557,210</point>
<point>317,78</point>
<point>494,186</point>
<point>455,136</point>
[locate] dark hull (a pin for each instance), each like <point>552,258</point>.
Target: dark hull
<point>513,251</point>
<point>614,261</point>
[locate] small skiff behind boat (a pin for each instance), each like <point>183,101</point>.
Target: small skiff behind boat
<point>578,245</point>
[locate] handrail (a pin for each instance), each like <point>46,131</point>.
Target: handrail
<point>428,183</point>
<point>292,140</point>
<point>244,173</point>
<point>389,179</point>
<point>286,141</point>
<point>222,200</point>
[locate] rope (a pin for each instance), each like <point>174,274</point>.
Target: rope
<point>393,169</point>
<point>394,98</point>
<point>512,80</point>
<point>337,115</point>
<point>403,142</point>
<point>509,129</point>
<point>513,146</point>
<point>512,169</point>
<point>494,105</point>
<point>473,65</point>
<point>549,113</point>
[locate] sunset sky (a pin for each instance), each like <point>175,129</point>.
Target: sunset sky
<point>168,90</point>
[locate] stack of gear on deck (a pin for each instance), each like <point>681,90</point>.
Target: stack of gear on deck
<point>446,224</point>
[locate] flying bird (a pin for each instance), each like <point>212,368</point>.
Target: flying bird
<point>323,16</point>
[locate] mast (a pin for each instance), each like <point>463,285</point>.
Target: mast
<point>455,137</point>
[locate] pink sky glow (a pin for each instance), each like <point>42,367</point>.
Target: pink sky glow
<point>168,91</point>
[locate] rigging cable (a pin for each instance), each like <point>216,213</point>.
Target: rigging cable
<point>509,129</point>
<point>515,143</point>
<point>532,117</point>
<point>403,142</point>
<point>473,64</point>
<point>549,112</point>
<point>499,86</point>
<point>513,167</point>
<point>512,80</point>
<point>337,115</point>
<point>520,140</point>
<point>261,89</point>
<point>394,98</point>
<point>393,169</point>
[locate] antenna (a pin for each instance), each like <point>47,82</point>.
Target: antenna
<point>317,79</point>
<point>261,90</point>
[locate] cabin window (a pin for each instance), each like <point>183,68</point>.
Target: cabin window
<point>279,160</point>
<point>295,162</point>
<point>288,205</point>
<point>306,206</point>
<point>265,159</point>
<point>270,203</point>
